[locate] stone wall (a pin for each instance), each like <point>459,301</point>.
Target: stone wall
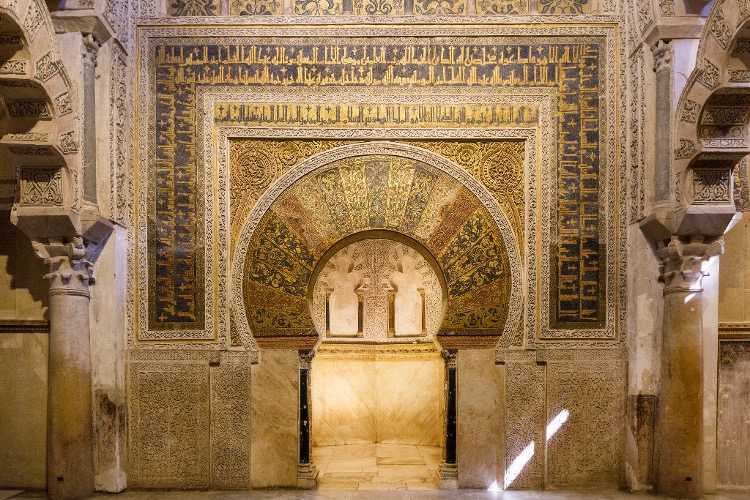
<point>23,357</point>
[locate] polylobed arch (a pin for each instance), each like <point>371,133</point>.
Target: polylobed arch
<point>40,140</point>
<point>711,131</point>
<point>433,201</point>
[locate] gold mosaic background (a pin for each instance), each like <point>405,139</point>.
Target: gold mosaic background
<point>256,163</point>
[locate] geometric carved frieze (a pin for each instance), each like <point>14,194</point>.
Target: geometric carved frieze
<point>711,185</point>
<point>710,76</point>
<point>739,75</point>
<point>33,20</point>
<point>63,103</point>
<point>690,111</point>
<point>46,67</point>
<point>40,186</point>
<point>13,67</point>
<point>719,28</point>
<point>28,109</point>
<point>68,142</point>
<point>10,39</point>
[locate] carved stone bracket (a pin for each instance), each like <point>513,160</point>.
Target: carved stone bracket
<point>681,267</point>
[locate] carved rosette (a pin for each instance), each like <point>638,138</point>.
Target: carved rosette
<point>681,266</point>
<point>70,271</point>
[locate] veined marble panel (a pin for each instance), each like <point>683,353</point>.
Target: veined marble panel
<point>733,462</point>
<point>377,400</point>
<point>274,407</point>
<point>480,441</point>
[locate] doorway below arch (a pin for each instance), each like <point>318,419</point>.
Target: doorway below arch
<point>377,416</point>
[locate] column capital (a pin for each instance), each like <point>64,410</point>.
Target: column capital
<point>305,358</point>
<point>662,51</point>
<point>70,264</point>
<point>681,266</point>
<point>90,50</point>
<point>449,355</point>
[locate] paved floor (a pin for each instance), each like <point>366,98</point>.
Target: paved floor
<point>371,495</point>
<point>374,472</point>
<point>382,466</point>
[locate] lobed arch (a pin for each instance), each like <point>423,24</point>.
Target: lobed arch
<point>462,213</point>
<point>39,133</point>
<point>712,132</point>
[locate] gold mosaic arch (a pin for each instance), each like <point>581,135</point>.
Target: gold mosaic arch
<point>371,186</point>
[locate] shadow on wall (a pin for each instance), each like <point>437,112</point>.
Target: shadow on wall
<point>23,270</point>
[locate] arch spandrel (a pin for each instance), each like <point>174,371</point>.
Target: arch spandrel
<point>373,186</point>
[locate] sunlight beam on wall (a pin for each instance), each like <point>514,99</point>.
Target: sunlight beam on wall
<point>521,460</point>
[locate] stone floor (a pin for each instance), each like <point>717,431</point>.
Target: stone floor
<point>380,466</point>
<point>374,472</point>
<point>371,495</point>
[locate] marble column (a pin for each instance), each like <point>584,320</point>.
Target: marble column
<point>448,470</point>
<point>680,433</point>
<point>663,67</point>
<point>307,473</point>
<point>70,460</point>
<point>91,48</point>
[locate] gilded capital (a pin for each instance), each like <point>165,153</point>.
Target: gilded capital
<point>681,266</point>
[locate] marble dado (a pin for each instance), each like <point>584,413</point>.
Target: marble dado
<point>377,397</point>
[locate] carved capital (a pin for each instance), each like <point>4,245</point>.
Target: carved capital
<point>305,359</point>
<point>71,271</point>
<point>662,55</point>
<point>681,266</point>
<point>90,50</point>
<point>450,358</point>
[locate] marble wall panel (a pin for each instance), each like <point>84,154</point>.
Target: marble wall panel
<point>733,426</point>
<point>480,426</point>
<point>274,407</point>
<point>734,285</point>
<point>230,422</point>
<point>23,410</point>
<point>343,402</point>
<point>585,416</point>
<point>169,424</point>
<point>409,401</point>
<point>377,401</point>
<point>524,425</point>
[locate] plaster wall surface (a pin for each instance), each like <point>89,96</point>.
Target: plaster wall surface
<point>23,410</point>
<point>23,358</point>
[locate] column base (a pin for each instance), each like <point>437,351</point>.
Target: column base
<point>307,476</point>
<point>448,476</point>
